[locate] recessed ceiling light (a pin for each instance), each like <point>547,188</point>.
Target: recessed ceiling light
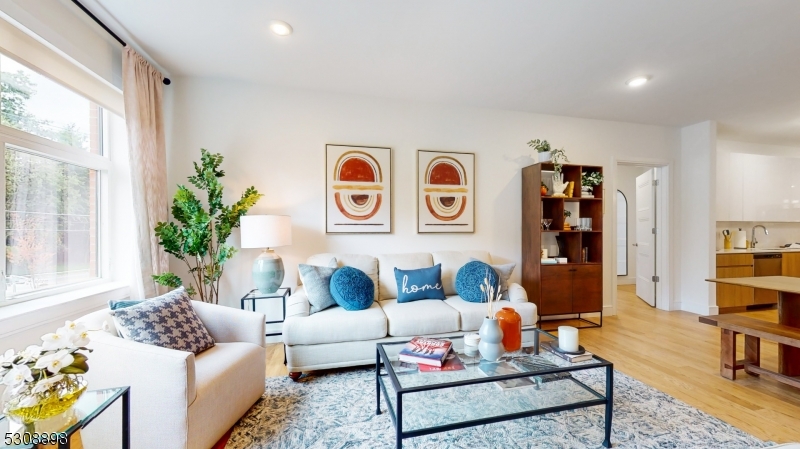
<point>638,81</point>
<point>280,28</point>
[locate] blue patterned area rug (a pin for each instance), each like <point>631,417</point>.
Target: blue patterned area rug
<point>337,410</point>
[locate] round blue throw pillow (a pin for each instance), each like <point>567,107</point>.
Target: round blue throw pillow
<point>352,289</point>
<point>470,278</point>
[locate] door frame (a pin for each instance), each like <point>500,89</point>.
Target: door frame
<point>664,298</point>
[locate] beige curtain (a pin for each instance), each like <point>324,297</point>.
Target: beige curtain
<point>144,117</point>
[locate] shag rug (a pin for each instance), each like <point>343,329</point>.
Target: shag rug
<point>337,410</point>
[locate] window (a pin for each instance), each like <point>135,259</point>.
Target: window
<point>53,167</point>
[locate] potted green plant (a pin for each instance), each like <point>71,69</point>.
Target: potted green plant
<point>567,214</point>
<point>542,147</point>
<point>559,157</point>
<point>198,236</point>
<point>588,182</point>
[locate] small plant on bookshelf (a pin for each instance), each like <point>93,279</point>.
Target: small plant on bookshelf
<point>567,214</point>
<point>588,183</point>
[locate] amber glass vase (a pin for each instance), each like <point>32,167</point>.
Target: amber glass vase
<point>511,324</point>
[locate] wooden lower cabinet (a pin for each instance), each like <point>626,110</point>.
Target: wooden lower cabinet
<point>573,288</point>
<point>734,266</point>
<point>790,264</point>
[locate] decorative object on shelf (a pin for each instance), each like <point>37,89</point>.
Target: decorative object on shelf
<point>588,182</point>
<point>562,246</point>
<point>44,381</point>
<point>570,189</point>
<point>543,189</point>
<point>542,147</point>
<point>267,232</point>
<point>511,324</point>
<point>546,222</point>
<point>445,192</point>
<point>567,214</point>
<point>584,224</point>
<point>559,157</point>
<point>568,339</point>
<point>544,253</point>
<point>491,345</point>
<point>585,254</point>
<point>559,185</point>
<point>358,189</point>
<point>197,236</point>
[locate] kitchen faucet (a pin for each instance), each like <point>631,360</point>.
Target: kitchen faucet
<point>753,240</point>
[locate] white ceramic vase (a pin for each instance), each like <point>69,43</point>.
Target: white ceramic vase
<point>491,345</point>
<point>545,156</point>
<point>587,190</point>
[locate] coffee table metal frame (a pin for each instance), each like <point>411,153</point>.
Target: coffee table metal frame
<point>381,359</point>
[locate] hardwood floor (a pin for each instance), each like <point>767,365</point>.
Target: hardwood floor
<point>674,353</point>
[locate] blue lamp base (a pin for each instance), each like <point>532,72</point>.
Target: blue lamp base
<point>268,272</point>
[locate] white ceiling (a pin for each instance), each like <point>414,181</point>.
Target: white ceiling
<point>734,61</point>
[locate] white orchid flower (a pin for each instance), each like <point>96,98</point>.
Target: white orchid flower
<point>44,385</point>
<point>8,357</point>
<point>30,353</point>
<point>17,375</point>
<point>59,340</point>
<point>55,362</point>
<point>81,339</point>
<point>74,327</point>
<point>106,326</point>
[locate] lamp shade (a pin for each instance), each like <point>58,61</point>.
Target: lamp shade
<point>266,231</point>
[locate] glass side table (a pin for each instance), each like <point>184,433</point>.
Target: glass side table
<point>249,303</point>
<point>88,407</point>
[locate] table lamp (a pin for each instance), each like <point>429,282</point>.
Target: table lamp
<point>267,232</point>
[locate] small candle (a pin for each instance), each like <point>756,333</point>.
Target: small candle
<point>472,339</point>
<point>568,338</point>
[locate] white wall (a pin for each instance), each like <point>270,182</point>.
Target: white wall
<point>626,182</point>
<point>274,138</point>
<point>696,214</point>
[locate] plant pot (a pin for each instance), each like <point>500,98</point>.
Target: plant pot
<point>491,345</point>
<point>545,156</point>
<point>587,191</point>
<point>511,325</point>
<point>54,400</point>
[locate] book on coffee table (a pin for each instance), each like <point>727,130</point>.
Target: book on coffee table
<point>572,358</point>
<point>451,363</point>
<point>502,369</point>
<point>425,351</point>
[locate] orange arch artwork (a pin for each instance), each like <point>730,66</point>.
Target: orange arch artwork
<point>445,191</point>
<point>358,190</point>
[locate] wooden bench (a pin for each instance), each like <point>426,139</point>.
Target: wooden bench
<point>754,330</point>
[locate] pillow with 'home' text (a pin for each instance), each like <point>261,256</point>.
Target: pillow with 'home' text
<point>423,283</point>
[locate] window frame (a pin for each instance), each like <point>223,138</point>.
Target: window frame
<point>40,146</point>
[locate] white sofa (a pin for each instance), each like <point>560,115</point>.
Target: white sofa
<point>336,337</point>
<point>179,400</point>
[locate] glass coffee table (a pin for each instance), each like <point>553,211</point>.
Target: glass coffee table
<point>535,382</point>
<point>58,430</point>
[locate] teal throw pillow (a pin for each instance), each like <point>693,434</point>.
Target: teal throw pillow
<point>317,283</point>
<point>423,283</point>
<point>352,289</point>
<point>469,279</point>
<point>116,305</point>
<point>503,273</point>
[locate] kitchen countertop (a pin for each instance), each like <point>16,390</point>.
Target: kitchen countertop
<point>758,250</point>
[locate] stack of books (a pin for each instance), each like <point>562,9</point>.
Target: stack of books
<point>549,261</point>
<point>431,354</point>
<point>572,358</point>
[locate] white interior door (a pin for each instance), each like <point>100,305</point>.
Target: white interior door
<point>645,237</point>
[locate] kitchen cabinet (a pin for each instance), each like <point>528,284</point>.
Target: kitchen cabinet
<point>754,187</point>
<point>791,265</point>
<point>731,297</point>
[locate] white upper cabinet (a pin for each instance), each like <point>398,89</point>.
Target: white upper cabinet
<point>753,187</point>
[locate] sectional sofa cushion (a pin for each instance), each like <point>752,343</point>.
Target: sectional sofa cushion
<point>407,261</point>
<point>336,325</point>
<point>366,263</point>
<point>422,283</point>
<point>352,289</point>
<point>452,261</point>
<point>471,281</point>
<point>317,282</point>
<point>472,313</point>
<point>425,317</point>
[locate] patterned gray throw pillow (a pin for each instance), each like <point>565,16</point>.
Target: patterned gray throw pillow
<point>317,282</point>
<point>168,321</point>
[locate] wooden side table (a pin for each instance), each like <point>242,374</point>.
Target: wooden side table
<point>254,294</point>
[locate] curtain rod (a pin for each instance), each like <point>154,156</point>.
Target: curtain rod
<point>107,30</point>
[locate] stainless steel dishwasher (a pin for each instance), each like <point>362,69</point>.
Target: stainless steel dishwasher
<point>766,264</point>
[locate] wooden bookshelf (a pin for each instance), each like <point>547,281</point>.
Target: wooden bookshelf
<point>577,286</point>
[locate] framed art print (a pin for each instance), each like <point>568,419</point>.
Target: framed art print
<point>358,189</point>
<point>445,191</point>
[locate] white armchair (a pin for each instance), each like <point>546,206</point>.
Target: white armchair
<point>179,400</point>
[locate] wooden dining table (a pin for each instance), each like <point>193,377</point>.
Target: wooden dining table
<point>788,289</point>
